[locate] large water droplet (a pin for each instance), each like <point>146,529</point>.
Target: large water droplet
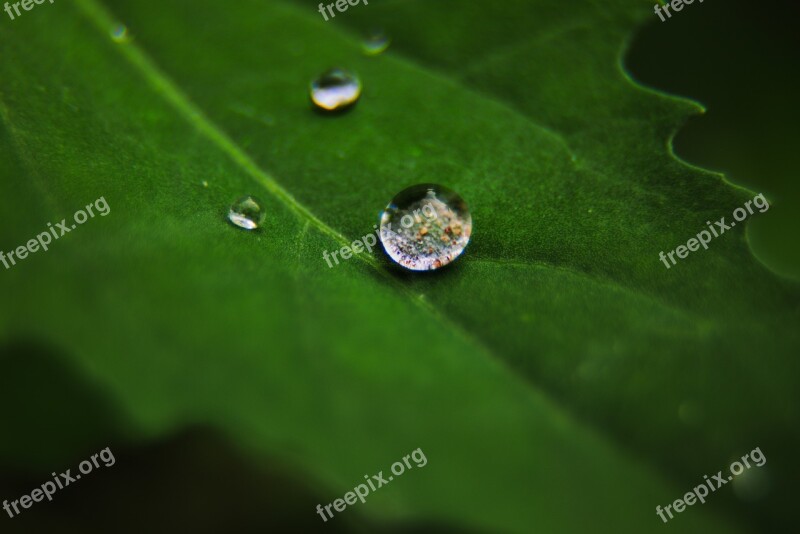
<point>247,213</point>
<point>335,89</point>
<point>376,43</point>
<point>425,227</point>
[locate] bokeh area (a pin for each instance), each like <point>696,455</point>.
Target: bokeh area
<point>178,346</point>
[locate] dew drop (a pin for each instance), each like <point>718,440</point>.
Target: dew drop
<point>119,34</point>
<point>247,213</point>
<point>425,227</point>
<point>376,43</point>
<point>335,89</point>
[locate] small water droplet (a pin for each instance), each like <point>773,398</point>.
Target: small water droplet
<point>335,89</point>
<point>247,213</point>
<point>425,227</point>
<point>205,183</point>
<point>376,43</point>
<point>119,34</point>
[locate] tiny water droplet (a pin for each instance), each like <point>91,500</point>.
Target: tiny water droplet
<point>376,43</point>
<point>335,89</point>
<point>247,213</point>
<point>119,34</point>
<point>425,227</point>
<point>205,183</point>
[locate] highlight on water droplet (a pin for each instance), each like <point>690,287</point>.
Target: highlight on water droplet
<point>247,213</point>
<point>425,227</point>
<point>375,43</point>
<point>336,89</point>
<point>120,34</point>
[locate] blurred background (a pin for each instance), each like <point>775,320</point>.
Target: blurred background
<point>740,60</point>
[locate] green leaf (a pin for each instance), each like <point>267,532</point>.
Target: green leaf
<point>543,375</point>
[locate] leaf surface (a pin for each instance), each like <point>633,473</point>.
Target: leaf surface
<point>544,375</point>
